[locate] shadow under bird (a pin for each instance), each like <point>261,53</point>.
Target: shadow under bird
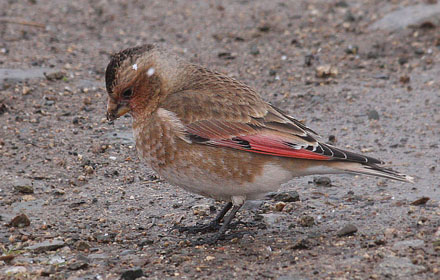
<point>215,136</point>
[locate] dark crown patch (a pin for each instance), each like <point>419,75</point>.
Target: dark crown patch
<point>116,61</point>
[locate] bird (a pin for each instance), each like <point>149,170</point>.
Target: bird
<point>215,136</point>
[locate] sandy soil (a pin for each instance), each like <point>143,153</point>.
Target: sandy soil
<point>96,212</point>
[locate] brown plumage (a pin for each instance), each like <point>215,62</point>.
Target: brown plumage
<point>213,135</point>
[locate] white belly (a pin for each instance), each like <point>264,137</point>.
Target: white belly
<point>198,180</point>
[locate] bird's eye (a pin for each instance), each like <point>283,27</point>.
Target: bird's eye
<point>127,93</point>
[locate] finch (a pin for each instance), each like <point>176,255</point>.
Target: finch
<point>215,136</point>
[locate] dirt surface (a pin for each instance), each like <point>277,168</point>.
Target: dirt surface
<point>93,211</point>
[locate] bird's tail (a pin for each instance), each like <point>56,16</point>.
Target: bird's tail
<point>371,169</point>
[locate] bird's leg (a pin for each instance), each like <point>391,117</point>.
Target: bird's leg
<point>213,225</point>
<point>221,233</point>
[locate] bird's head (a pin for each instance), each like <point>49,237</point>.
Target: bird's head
<point>136,80</point>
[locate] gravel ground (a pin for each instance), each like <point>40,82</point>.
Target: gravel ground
<point>76,203</point>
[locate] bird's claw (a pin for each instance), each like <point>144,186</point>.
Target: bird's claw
<point>208,240</point>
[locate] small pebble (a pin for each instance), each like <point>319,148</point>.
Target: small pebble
<point>301,244</point>
<point>420,201</point>
<point>58,75</point>
<point>307,221</point>
<point>308,59</point>
<point>201,209</point>
<point>78,265</point>
<point>322,181</point>
<point>289,196</point>
<point>373,115</point>
<point>82,245</point>
<point>352,49</point>
<point>332,139</point>
<point>20,221</point>
<point>347,230</point>
<point>404,79</point>
<point>23,185</point>
<point>324,71</point>
<point>132,274</point>
<point>279,206</point>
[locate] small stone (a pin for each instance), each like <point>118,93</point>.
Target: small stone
<point>289,196</point>
<point>14,270</point>
<point>3,109</point>
<point>403,60</point>
<point>324,71</point>
<point>82,245</point>
<point>58,192</point>
<point>396,268</point>
<point>347,230</point>
<point>307,221</point>
<point>20,221</point>
<point>279,206</point>
<point>332,139</point>
<point>78,265</point>
<point>7,258</point>
<point>437,232</point>
<point>98,148</point>
<point>264,28</point>
<point>373,115</point>
<point>322,181</point>
<point>48,245</point>
<point>301,244</point>
<point>56,259</point>
<point>87,101</point>
<point>405,244</point>
<point>201,209</point>
<point>410,16</point>
<point>88,169</point>
<point>128,252</point>
<point>48,271</point>
<point>105,237</point>
<point>227,55</point>
<point>145,242</point>
<point>97,256</point>
<point>132,274</point>
<point>420,201</point>
<point>26,90</point>
<point>349,17</point>
<point>341,4</point>
<point>308,59</point>
<point>352,49</point>
<point>252,204</point>
<point>23,185</point>
<point>382,76</point>
<point>28,197</point>
<point>271,219</point>
<point>210,258</point>
<point>419,51</point>
<point>58,75</point>
<point>404,79</point>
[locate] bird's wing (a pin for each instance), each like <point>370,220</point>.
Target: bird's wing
<point>246,122</point>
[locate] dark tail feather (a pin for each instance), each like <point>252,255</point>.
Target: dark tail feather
<point>372,169</point>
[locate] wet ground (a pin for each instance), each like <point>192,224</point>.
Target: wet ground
<point>362,71</point>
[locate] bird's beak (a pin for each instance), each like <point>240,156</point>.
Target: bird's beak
<point>116,109</point>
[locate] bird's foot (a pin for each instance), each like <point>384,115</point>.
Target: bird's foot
<point>217,237</point>
<point>212,226</point>
<point>208,240</point>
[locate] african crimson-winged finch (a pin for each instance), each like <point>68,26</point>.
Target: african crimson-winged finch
<point>213,135</point>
